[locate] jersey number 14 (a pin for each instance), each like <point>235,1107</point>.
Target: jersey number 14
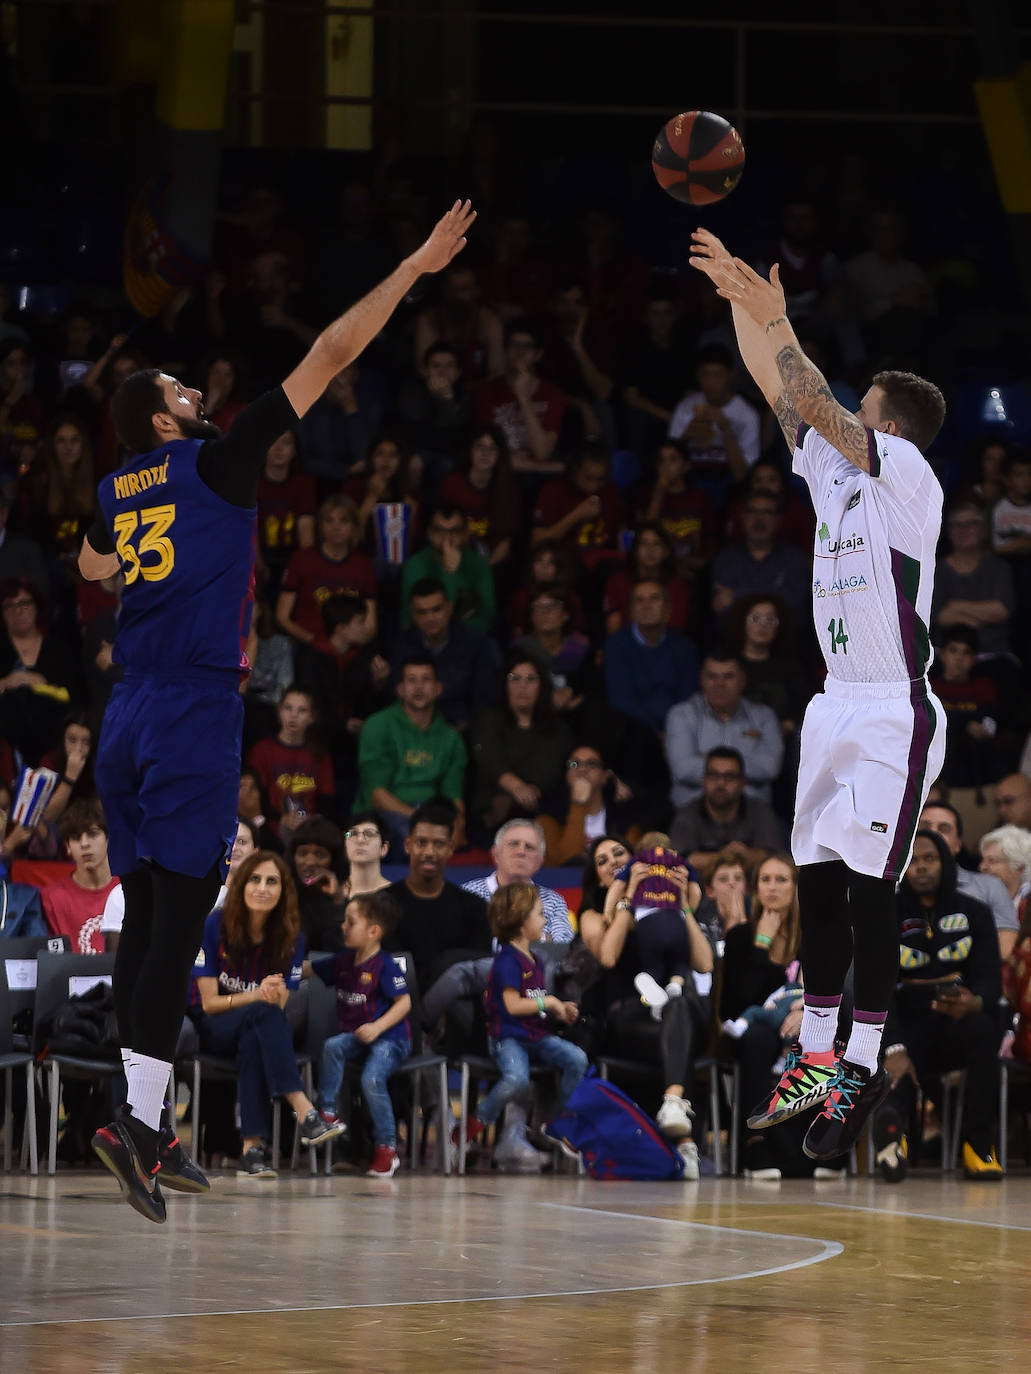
<point>836,630</point>
<point>151,555</point>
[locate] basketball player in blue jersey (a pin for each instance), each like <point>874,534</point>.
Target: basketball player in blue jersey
<point>873,741</point>
<point>179,520</point>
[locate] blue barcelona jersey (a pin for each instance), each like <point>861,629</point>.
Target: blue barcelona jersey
<point>188,559</point>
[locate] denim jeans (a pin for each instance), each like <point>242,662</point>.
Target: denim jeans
<point>380,1058</point>
<point>259,1037</point>
<point>514,1057</point>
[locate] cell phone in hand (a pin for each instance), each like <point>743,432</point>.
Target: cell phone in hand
<point>946,992</point>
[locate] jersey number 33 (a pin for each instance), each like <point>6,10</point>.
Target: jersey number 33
<point>143,545</point>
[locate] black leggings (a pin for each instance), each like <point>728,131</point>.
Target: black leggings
<point>848,917</point>
<point>161,934</point>
<point>633,1033</point>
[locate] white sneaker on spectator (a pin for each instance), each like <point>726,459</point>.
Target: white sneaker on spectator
<point>821,1174</point>
<point>515,1155</point>
<point>688,1152</point>
<point>674,1117</point>
<point>651,994</point>
<point>736,1028</point>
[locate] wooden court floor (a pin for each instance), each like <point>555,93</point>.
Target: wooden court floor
<point>487,1273</point>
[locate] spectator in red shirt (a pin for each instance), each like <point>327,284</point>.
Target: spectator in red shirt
<point>391,474</point>
<point>333,565</point>
<point>286,506</point>
<point>579,358</point>
<point>483,488</point>
<point>73,906</point>
<point>298,781</point>
<point>528,409</point>
<point>686,513</point>
<point>460,319</point>
<point>22,415</point>
<point>224,389</point>
<point>650,560</point>
<point>549,563</point>
<point>515,281</point>
<point>797,522</point>
<point>583,509</point>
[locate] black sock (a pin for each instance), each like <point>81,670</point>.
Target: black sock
<point>826,927</point>
<point>875,929</point>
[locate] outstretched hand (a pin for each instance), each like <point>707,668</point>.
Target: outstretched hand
<point>447,238</point>
<point>738,283</point>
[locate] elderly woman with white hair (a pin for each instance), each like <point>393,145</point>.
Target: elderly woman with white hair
<point>1006,852</point>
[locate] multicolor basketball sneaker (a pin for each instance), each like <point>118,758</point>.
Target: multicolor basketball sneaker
<point>804,1083</point>
<point>852,1094</point>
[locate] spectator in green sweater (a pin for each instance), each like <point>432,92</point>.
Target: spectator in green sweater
<point>408,754</point>
<point>465,574</point>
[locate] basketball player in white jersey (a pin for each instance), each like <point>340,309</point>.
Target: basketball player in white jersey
<point>873,741</point>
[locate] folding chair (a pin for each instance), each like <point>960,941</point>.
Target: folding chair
<point>322,1024</point>
<point>218,1069</point>
<point>12,1058</point>
<point>54,974</point>
<point>609,1066</point>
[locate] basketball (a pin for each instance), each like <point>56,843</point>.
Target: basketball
<point>698,157</point>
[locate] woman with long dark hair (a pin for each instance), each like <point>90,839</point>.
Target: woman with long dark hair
<point>519,747</point>
<point>631,1031</point>
<point>252,956</point>
<point>482,485</point>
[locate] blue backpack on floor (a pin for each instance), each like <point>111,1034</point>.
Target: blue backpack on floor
<point>613,1135</point>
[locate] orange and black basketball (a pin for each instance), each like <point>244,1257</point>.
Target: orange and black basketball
<point>698,157</point>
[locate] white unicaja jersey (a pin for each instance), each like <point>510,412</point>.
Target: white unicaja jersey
<point>874,556</point>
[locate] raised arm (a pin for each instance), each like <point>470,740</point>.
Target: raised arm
<point>343,340</point>
<point>794,387</point>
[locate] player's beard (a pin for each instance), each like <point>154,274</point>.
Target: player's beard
<point>198,429</point>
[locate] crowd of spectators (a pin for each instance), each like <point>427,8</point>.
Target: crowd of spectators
<point>538,555</point>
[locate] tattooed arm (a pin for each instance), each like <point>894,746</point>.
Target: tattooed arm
<point>807,397</point>
<point>794,387</point>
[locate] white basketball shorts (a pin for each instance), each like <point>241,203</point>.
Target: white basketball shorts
<point>870,752</point>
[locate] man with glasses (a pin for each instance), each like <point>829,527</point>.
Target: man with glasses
<point>527,409</point>
<point>761,561</point>
<point>723,818</point>
<point>463,572</point>
<point>599,804</point>
<point>972,585</point>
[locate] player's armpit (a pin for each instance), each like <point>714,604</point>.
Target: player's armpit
<point>94,565</point>
<point>806,390</point>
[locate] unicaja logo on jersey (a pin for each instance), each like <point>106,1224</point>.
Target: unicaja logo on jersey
<point>849,545</point>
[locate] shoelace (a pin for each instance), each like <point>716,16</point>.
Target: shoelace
<point>843,1089</point>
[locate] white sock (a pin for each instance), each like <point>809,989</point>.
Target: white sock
<point>864,1044</point>
<point>674,989</point>
<point>148,1082</point>
<point>735,1029</point>
<point>819,1025</point>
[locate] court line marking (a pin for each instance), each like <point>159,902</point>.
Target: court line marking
<point>919,1216</point>
<point>828,1249</point>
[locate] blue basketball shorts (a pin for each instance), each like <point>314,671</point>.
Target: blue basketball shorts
<point>168,772</point>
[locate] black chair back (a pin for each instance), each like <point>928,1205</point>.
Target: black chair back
<point>18,972</point>
<point>54,975</point>
<point>7,1045</point>
<point>405,959</point>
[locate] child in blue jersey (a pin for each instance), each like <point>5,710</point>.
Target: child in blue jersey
<point>661,900</point>
<point>373,1005</point>
<point>518,1007</point>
